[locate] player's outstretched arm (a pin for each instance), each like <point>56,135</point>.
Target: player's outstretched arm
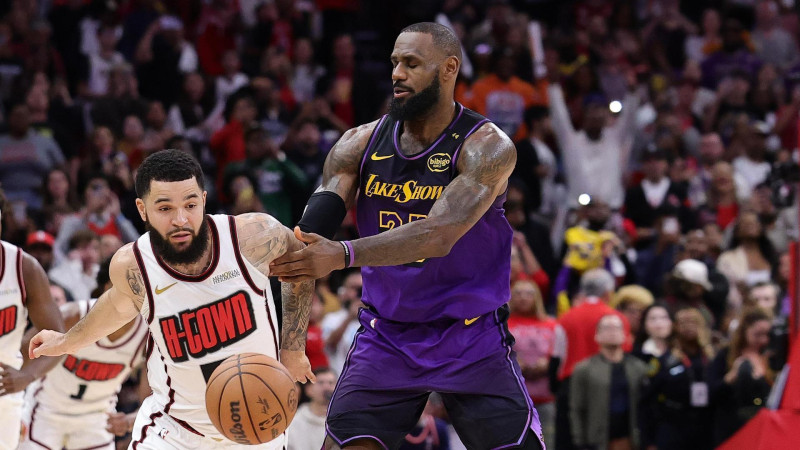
<point>342,165</point>
<point>116,307</point>
<point>486,161</point>
<point>42,311</point>
<point>327,207</point>
<point>262,239</point>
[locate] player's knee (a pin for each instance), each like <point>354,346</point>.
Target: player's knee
<point>358,444</point>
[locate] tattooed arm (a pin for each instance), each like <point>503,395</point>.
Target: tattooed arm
<point>116,307</point>
<point>486,161</point>
<point>340,172</point>
<point>261,240</point>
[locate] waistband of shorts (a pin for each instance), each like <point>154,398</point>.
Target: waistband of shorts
<point>185,425</point>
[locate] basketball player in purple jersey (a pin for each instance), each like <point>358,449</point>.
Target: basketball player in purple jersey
<point>429,181</point>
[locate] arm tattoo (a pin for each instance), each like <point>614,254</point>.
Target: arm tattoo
<point>260,240</point>
<point>135,282</point>
<point>340,172</point>
<point>296,309</point>
<point>484,167</point>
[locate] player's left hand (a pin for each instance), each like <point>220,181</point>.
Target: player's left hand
<point>296,362</point>
<point>120,424</point>
<point>319,258</point>
<point>12,380</point>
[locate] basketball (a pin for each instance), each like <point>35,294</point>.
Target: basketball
<point>251,398</point>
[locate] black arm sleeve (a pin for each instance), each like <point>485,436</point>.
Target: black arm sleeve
<point>324,213</point>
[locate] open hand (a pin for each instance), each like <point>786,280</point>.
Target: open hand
<point>120,424</point>
<point>12,380</point>
<point>319,258</point>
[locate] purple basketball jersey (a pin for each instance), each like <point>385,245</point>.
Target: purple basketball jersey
<point>473,279</point>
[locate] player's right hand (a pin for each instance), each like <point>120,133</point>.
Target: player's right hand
<point>46,343</point>
<point>120,424</point>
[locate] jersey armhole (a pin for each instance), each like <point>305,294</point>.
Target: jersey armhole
<point>370,143</point>
<point>240,261</point>
<point>20,278</point>
<point>454,164</point>
<point>148,292</point>
<point>140,353</point>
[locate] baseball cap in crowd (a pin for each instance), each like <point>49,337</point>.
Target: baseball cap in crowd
<point>40,237</point>
<point>693,271</point>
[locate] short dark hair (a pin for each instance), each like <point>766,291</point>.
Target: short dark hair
<point>102,278</point>
<point>4,204</point>
<point>167,165</point>
<point>81,238</point>
<point>321,370</point>
<point>443,37</point>
<point>536,113</point>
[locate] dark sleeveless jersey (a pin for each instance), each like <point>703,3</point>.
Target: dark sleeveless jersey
<point>473,279</point>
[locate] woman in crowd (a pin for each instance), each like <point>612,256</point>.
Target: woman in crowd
<point>739,376</point>
<point>59,192</point>
<point>675,403</point>
<point>722,204</point>
<point>534,332</point>
<point>653,338</point>
<point>750,258</point>
<point>632,301</point>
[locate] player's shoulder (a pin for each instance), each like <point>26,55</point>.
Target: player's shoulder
<point>261,237</point>
<point>488,147</point>
<point>487,135</point>
<point>124,258</point>
<point>257,222</point>
<point>356,138</point>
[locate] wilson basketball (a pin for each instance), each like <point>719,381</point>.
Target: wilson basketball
<point>251,398</point>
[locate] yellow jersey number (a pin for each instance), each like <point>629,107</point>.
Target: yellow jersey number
<point>391,219</point>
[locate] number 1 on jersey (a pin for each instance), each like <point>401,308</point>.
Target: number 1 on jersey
<point>81,391</point>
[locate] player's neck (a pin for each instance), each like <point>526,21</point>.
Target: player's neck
<point>612,353</point>
<point>427,128</point>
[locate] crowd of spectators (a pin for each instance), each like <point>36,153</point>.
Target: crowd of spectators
<point>653,200</point>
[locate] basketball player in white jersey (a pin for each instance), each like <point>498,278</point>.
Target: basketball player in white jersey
<point>24,291</point>
<point>69,407</point>
<point>201,284</point>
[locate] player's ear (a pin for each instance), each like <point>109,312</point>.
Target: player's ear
<point>143,213</point>
<point>205,193</point>
<point>450,68</point>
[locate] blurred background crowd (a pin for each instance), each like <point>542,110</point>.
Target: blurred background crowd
<point>653,200</point>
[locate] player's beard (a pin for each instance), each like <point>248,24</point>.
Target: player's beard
<point>170,254</point>
<point>416,105</point>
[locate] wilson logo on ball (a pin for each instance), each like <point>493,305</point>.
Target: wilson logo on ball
<point>204,330</point>
<point>237,431</point>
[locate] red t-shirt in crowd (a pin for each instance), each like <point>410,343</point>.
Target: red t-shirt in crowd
<point>726,215</point>
<point>580,326</point>
<point>534,340</point>
<point>315,347</point>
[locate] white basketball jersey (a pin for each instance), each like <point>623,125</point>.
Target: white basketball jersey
<point>198,321</point>
<point>13,312</point>
<point>89,380</point>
